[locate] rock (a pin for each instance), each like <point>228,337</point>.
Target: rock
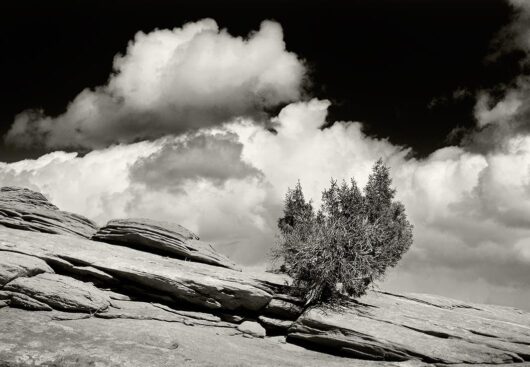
<point>14,265</point>
<point>396,327</point>
<point>26,302</point>
<point>198,284</point>
<point>252,328</point>
<point>161,237</point>
<point>4,303</point>
<point>234,319</point>
<point>152,311</point>
<point>283,309</point>
<point>275,325</point>
<point>61,292</point>
<point>29,210</point>
<point>42,339</point>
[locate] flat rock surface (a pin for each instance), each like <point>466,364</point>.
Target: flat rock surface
<point>29,210</point>
<point>161,237</point>
<point>61,292</point>
<point>430,328</point>
<point>195,283</point>
<point>37,339</point>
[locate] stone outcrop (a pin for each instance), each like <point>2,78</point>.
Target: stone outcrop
<point>29,210</point>
<point>202,285</point>
<point>61,292</point>
<point>147,294</point>
<point>13,265</point>
<point>161,237</point>
<point>384,326</point>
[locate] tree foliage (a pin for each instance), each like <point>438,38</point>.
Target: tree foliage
<point>346,245</point>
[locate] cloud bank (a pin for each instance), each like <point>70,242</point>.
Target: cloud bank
<point>172,81</point>
<point>470,210</point>
<point>226,178</point>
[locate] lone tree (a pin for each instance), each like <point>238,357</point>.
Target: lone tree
<point>347,244</point>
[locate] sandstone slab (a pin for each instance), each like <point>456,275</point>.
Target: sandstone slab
<point>194,283</point>
<point>14,265</point>
<point>161,237</point>
<point>396,327</point>
<point>33,339</point>
<point>29,210</point>
<point>26,302</point>
<point>61,292</point>
<point>283,309</point>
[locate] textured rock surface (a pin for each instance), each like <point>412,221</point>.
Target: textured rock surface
<point>432,329</point>
<point>61,293</point>
<point>161,237</point>
<point>13,265</point>
<point>275,325</point>
<point>195,283</point>
<point>252,328</point>
<point>283,309</point>
<point>20,300</point>
<point>110,305</point>
<point>29,210</point>
<point>29,339</point>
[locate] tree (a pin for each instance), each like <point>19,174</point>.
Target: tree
<point>348,244</point>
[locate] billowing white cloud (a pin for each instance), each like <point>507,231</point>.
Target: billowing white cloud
<point>227,183</point>
<point>172,81</point>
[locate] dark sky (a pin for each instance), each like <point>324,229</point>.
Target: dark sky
<point>408,69</point>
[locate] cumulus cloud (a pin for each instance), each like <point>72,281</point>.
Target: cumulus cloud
<point>172,81</point>
<point>227,183</point>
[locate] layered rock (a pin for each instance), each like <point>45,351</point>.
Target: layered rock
<point>202,285</point>
<point>161,237</point>
<point>143,278</point>
<point>29,210</point>
<point>14,265</point>
<point>60,292</point>
<point>397,327</point>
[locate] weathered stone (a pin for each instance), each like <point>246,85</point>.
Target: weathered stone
<point>275,325</point>
<point>14,265</point>
<point>252,328</point>
<point>4,303</point>
<point>161,237</point>
<point>396,327</point>
<point>40,339</point>
<point>154,311</point>
<point>20,300</point>
<point>283,309</point>
<point>234,319</point>
<point>195,283</point>
<point>61,292</point>
<point>29,210</point>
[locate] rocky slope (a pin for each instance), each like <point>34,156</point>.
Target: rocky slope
<point>146,293</point>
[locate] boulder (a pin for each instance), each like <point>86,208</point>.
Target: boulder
<point>14,265</point>
<point>252,328</point>
<point>384,326</point>
<point>161,237</point>
<point>29,210</point>
<point>197,284</point>
<point>61,292</point>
